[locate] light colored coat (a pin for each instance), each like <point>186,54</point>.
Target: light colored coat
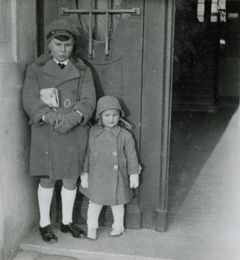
<point>54,154</point>
<point>111,157</point>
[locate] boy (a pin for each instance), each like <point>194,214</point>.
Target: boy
<point>58,122</point>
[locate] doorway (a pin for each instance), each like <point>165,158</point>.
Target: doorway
<point>201,113</point>
<point>134,63</point>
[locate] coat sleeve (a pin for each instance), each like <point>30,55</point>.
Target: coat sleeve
<point>87,100</point>
<point>133,166</point>
<point>32,103</point>
<point>86,159</point>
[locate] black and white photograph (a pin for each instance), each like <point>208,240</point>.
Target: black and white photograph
<point>120,130</point>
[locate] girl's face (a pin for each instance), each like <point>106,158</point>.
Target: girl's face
<point>110,117</point>
<point>61,50</point>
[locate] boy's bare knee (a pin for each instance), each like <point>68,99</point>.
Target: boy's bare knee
<point>70,184</point>
<point>47,183</point>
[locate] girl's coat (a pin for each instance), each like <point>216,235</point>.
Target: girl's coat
<point>110,159</point>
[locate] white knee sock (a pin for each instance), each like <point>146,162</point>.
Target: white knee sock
<point>118,216</point>
<point>44,203</point>
<point>68,199</point>
<point>93,214</point>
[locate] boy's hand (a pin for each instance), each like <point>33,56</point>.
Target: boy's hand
<point>84,180</point>
<point>134,181</point>
<point>68,121</point>
<point>50,118</point>
<point>63,126</point>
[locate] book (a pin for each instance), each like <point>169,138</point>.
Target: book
<point>50,97</point>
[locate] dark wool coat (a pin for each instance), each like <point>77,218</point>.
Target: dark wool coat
<point>54,154</point>
<point>111,157</point>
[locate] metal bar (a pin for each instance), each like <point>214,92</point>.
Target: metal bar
<point>133,11</point>
<point>90,32</point>
<point>95,18</point>
<point>90,46</point>
<point>106,37</point>
<point>111,17</point>
<point>106,33</point>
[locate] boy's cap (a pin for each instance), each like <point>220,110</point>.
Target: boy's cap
<point>107,102</point>
<point>61,27</point>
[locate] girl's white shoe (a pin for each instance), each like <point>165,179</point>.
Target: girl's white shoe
<point>116,232</point>
<point>92,233</point>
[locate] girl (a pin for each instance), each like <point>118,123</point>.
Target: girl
<point>111,166</point>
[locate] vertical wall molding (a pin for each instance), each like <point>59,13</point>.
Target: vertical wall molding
<point>13,28</point>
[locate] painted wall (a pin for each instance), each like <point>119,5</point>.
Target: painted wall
<point>18,204</point>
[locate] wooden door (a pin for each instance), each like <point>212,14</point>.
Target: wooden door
<point>135,66</point>
<point>116,64</point>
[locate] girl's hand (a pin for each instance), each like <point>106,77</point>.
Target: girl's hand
<point>84,180</point>
<point>134,181</point>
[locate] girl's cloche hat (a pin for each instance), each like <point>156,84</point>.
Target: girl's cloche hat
<point>107,102</point>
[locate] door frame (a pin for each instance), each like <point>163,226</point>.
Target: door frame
<point>156,111</point>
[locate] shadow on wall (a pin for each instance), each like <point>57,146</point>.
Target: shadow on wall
<point>193,139</point>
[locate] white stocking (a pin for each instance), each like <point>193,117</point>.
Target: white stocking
<point>93,214</point>
<point>118,216</point>
<point>68,199</point>
<point>44,202</point>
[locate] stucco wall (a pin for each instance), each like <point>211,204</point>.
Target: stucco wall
<point>18,203</point>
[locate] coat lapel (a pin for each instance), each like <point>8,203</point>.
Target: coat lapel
<point>115,131</point>
<point>60,75</point>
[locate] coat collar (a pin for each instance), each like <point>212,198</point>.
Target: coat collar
<point>115,130</point>
<point>62,62</point>
<point>69,72</point>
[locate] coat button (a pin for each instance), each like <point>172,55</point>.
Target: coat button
<point>115,166</point>
<point>67,103</point>
<point>46,152</point>
<point>114,153</point>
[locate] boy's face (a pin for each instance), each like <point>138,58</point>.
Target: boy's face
<point>110,117</point>
<point>61,50</point>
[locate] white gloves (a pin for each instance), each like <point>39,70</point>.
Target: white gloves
<point>84,180</point>
<point>134,181</point>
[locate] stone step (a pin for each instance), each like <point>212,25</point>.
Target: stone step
<point>132,245</point>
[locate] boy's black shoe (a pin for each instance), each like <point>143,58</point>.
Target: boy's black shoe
<point>48,234</point>
<point>72,228</point>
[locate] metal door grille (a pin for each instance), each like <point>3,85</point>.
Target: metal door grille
<point>108,13</point>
